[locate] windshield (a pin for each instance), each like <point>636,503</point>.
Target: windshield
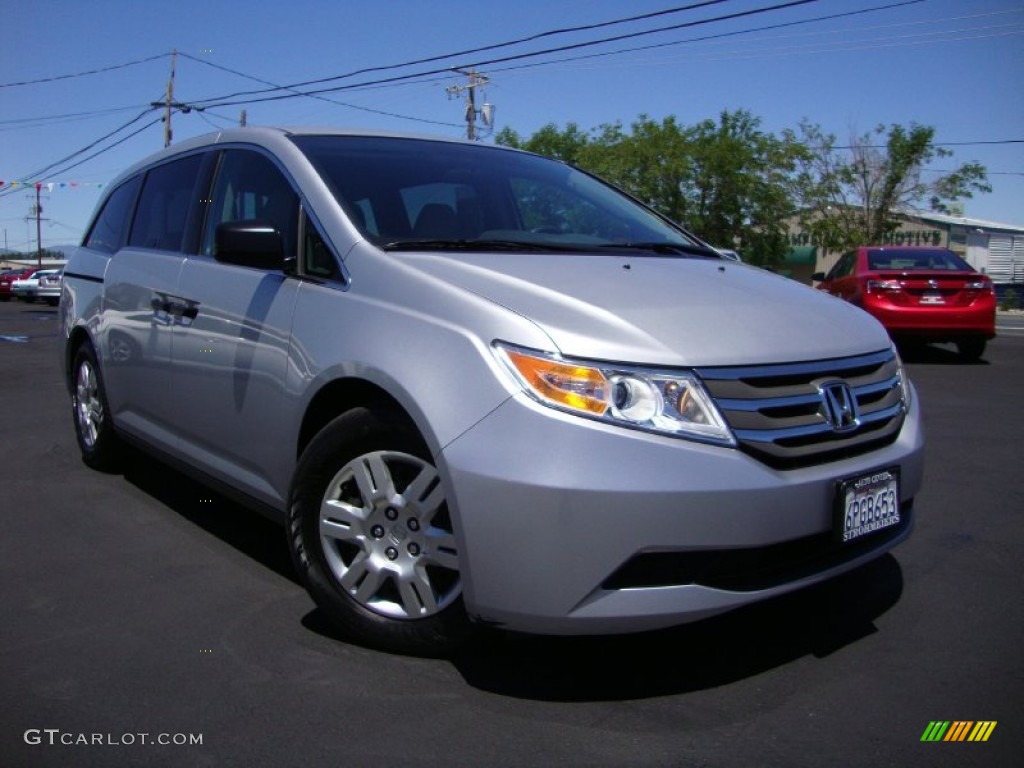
<point>418,194</point>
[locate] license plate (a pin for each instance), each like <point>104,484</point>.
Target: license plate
<point>933,298</point>
<point>867,504</point>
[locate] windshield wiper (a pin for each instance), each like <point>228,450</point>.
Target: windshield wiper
<point>473,245</point>
<point>662,248</point>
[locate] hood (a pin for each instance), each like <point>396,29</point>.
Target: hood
<point>662,310</point>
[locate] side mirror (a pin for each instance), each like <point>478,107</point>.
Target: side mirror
<point>818,277</point>
<point>249,243</point>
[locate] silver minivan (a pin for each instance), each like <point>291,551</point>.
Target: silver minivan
<point>481,387</point>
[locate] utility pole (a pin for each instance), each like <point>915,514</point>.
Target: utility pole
<point>39,226</point>
<point>169,103</point>
<point>36,212</point>
<point>476,80</point>
<point>169,100</point>
<point>241,121</point>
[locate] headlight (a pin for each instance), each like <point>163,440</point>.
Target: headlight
<point>905,387</point>
<point>666,402</point>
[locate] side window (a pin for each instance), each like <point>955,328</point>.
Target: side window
<point>110,231</point>
<point>168,194</point>
<point>843,267</point>
<point>317,259</point>
<point>249,187</point>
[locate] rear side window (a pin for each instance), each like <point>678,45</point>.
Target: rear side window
<point>110,231</point>
<point>844,267</point>
<point>168,195</point>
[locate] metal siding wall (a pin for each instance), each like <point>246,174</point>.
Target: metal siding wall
<point>1000,258</point>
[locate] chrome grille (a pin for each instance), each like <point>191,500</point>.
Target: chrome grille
<point>779,413</point>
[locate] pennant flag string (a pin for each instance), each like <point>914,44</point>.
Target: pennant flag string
<point>51,185</point>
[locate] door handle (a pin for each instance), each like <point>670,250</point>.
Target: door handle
<point>185,309</point>
<point>173,310</point>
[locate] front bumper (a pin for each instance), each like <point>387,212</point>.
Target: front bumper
<point>569,526</point>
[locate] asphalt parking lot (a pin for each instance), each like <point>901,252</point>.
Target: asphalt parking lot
<point>140,611</point>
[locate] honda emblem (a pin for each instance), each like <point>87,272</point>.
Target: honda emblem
<point>839,406</point>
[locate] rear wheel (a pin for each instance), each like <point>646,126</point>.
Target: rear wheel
<point>95,432</point>
<point>372,537</point>
<point>971,348</point>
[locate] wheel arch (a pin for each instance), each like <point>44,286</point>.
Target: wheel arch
<point>341,395</point>
<point>76,338</point>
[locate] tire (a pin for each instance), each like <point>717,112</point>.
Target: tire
<point>370,535</point>
<point>971,348</point>
<point>94,429</point>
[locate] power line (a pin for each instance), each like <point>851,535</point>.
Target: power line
<point>107,148</point>
<point>220,102</point>
<point>40,174</point>
<point>996,142</point>
<point>319,97</point>
<point>481,49</point>
<point>82,74</point>
<point>17,122</point>
<point>705,38</point>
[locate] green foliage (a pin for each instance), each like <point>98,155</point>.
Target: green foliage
<point>848,195</point>
<point>727,181</point>
<point>47,253</point>
<point>735,186</point>
<point>1009,300</point>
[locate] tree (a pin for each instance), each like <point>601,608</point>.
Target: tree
<point>565,145</point>
<point>851,195</point>
<point>740,190</point>
<point>727,181</point>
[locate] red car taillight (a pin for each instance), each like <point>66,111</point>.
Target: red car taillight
<point>983,284</point>
<point>883,286</point>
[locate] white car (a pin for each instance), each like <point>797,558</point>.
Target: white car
<point>27,288</point>
<point>49,286</point>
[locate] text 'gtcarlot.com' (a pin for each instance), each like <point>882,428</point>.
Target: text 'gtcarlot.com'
<point>55,736</point>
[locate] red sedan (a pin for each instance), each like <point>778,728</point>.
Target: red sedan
<point>925,294</point>
<point>7,281</point>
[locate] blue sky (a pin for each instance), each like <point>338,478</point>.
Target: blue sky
<point>956,65</point>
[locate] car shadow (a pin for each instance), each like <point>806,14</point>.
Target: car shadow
<point>817,621</point>
<point>933,354</point>
<point>714,652</point>
<point>240,527</point>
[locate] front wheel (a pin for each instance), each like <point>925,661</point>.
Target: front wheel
<point>372,537</point>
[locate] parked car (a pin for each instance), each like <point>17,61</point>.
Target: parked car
<point>7,280</point>
<point>49,286</point>
<point>481,386</point>
<point>27,288</point>
<point>919,294</point>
